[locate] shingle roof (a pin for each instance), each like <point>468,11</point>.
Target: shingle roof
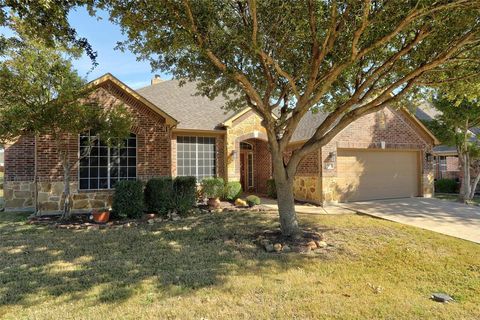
<point>307,126</point>
<point>426,112</point>
<point>444,149</point>
<point>192,111</point>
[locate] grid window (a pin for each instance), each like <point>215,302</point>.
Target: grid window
<point>250,170</point>
<point>105,165</point>
<point>196,157</point>
<point>443,163</point>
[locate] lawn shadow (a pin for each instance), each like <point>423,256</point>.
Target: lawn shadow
<point>178,257</point>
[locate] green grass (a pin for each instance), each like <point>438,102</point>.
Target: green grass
<point>206,267</point>
<point>454,197</point>
<point>1,189</point>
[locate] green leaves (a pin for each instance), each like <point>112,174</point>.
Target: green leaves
<point>41,93</point>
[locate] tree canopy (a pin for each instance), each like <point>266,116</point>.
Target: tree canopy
<point>42,95</point>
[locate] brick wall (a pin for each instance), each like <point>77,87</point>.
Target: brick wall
<point>390,126</point>
<point>20,160</point>
<point>453,164</point>
<point>262,164</point>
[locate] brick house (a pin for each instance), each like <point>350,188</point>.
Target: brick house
<point>382,155</point>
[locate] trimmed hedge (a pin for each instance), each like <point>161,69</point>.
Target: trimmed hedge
<point>233,191</point>
<point>253,200</point>
<point>446,186</point>
<point>128,199</point>
<point>271,189</point>
<point>159,195</point>
<point>213,187</point>
<point>184,191</point>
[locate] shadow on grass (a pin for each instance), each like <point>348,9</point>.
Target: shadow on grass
<point>179,257</point>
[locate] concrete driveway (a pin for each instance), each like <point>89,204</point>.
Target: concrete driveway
<point>443,216</point>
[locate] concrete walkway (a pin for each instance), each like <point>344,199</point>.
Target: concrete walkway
<point>443,216</point>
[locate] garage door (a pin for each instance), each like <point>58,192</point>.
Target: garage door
<point>370,175</point>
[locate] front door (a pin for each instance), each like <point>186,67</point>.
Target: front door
<point>246,171</point>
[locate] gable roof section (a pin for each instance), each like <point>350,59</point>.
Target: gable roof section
<point>192,111</point>
<point>310,122</point>
<point>109,77</point>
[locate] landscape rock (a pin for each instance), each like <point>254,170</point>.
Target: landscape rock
<point>441,297</point>
<point>286,248</point>
<point>321,244</point>
<point>269,247</point>
<point>277,247</point>
<point>240,203</point>
<point>312,245</point>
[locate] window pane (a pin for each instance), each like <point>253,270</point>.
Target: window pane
<point>103,166</point>
<point>196,156</point>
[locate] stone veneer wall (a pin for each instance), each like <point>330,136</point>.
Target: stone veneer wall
<point>19,195</point>
<point>308,188</point>
<point>391,126</point>
<point>247,126</point>
<point>307,182</point>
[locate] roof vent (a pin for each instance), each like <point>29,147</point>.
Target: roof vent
<point>156,79</point>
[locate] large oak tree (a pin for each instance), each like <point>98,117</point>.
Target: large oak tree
<point>347,58</point>
<point>287,58</point>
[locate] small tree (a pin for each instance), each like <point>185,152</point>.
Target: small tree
<point>454,127</point>
<point>41,94</point>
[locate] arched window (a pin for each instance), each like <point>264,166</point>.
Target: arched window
<point>246,146</point>
<point>103,166</point>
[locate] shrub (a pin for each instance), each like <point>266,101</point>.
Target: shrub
<point>253,200</point>
<point>159,196</point>
<point>271,189</point>
<point>184,193</point>
<point>128,199</point>
<point>233,191</point>
<point>446,186</point>
<point>213,187</point>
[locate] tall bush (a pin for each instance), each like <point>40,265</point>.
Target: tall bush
<point>233,191</point>
<point>159,195</point>
<point>446,186</point>
<point>271,189</point>
<point>213,187</point>
<point>184,191</point>
<point>128,199</point>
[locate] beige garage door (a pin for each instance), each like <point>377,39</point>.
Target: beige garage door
<point>370,175</point>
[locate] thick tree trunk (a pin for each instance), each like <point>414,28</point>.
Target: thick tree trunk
<point>285,198</point>
<point>474,186</point>
<point>465,189</point>
<point>67,205</point>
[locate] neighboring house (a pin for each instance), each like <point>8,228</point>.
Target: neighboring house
<point>446,164</point>
<point>178,133</point>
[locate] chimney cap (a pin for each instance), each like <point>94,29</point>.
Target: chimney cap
<point>156,79</point>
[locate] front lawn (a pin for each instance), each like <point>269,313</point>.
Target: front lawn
<point>454,197</point>
<point>207,267</point>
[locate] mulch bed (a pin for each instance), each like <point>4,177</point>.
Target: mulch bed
<point>308,240</point>
<point>82,221</point>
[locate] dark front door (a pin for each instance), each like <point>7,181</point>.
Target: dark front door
<point>246,171</point>
<point>243,171</point>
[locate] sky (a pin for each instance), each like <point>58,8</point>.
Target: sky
<point>103,36</point>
